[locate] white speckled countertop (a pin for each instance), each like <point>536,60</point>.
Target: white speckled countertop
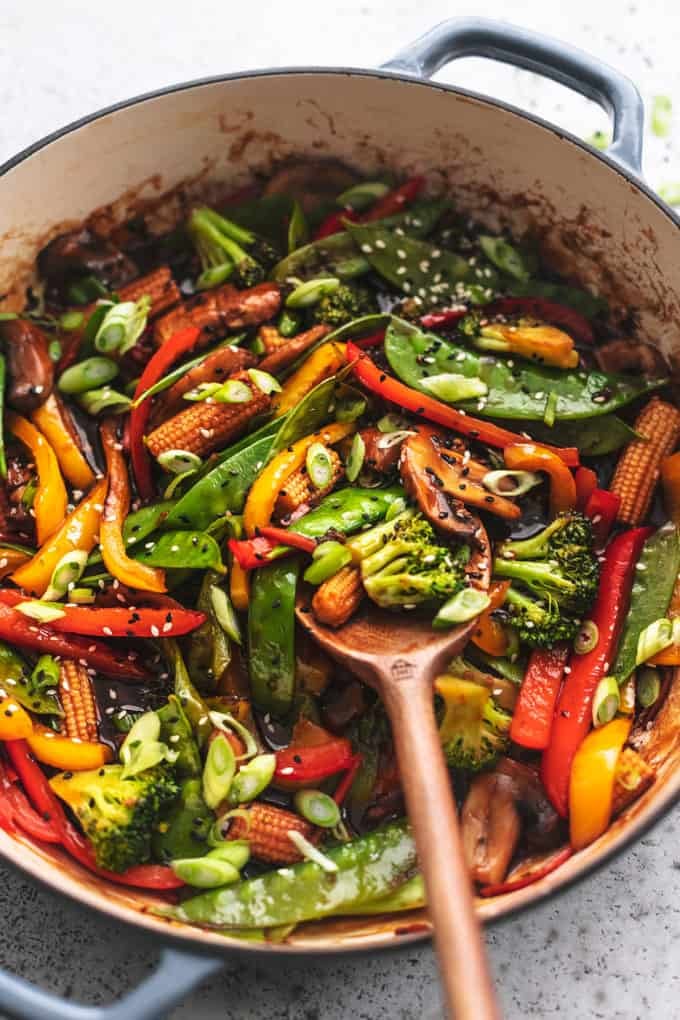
<point>606,948</point>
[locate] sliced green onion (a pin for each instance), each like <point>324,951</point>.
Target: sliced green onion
<point>319,465</point>
<point>218,771</point>
<point>8,316</point>
<point>232,392</point>
<point>465,605</point>
<point>648,687</point>
<point>146,727</point>
<point>205,872</point>
<point>87,375</point>
<point>394,438</point>
<point>355,461</point>
<point>71,321</point>
<point>662,116</point>
<point>81,596</point>
<point>451,387</point>
<point>510,483</point>
<point>327,559</point>
<point>224,613</point>
<point>85,290</point>
<point>390,423</point>
<point>311,291</point>
<point>68,570</point>
<point>43,612</point>
<point>178,461</point>
<point>28,495</point>
<point>550,409</point>
<point>142,749</point>
<point>257,346</point>
<point>653,639</point>
<point>235,851</point>
<point>252,779</point>
<point>225,722</point>
<point>122,326</point>
<point>264,381</point>
<point>177,481</point>
<point>202,391</point>
<point>54,350</point>
<point>45,675</point>
<point>318,808</point>
<point>298,230</point>
<point>105,399</point>
<point>396,507</point>
<point>310,852</point>
<point>606,701</point>
<point>167,381</point>
<point>214,276</point>
<point>124,720</point>
<point>290,323</point>
<point>587,637</point>
<point>361,196</point>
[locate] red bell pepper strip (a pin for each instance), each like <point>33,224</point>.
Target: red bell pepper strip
<point>38,790</point>
<point>26,633</point>
<point>334,224</point>
<point>251,553</point>
<point>586,483</point>
<point>16,812</point>
<point>303,766</point>
<point>546,311</point>
<point>602,508</point>
<point>447,317</point>
<point>142,876</point>
<point>394,201</point>
<point>117,621</point>
<point>386,386</point>
<point>281,536</point>
<point>156,368</point>
<point>345,784</point>
<point>533,715</point>
<point>529,877</point>
<point>372,340</point>
<point>572,718</point>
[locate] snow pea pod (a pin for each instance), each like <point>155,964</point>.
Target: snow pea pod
<point>182,550</point>
<point>208,649</point>
<point>193,705</point>
<point>311,413</point>
<point>516,389</point>
<point>348,510</point>
<point>176,732</point>
<point>223,490</point>
<point>650,596</point>
<point>271,635</point>
<point>183,829</point>
<point>15,682</point>
<point>594,437</point>
<point>369,868</point>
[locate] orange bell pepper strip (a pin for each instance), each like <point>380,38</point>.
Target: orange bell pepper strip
<point>50,500</point>
<point>591,788</point>
<point>78,531</point>
<point>239,587</point>
<point>61,752</point>
<point>50,420</point>
<point>15,722</point>
<point>116,507</point>
<point>266,488</point>
<point>532,457</point>
<point>11,559</point>
<point>490,635</point>
<point>670,481</point>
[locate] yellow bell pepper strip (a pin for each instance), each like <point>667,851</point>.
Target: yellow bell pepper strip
<point>321,364</point>
<point>591,788</point>
<point>50,500</point>
<point>532,457</point>
<point>266,488</point>
<point>50,420</point>
<point>116,507</point>
<point>15,722</point>
<point>11,559</point>
<point>79,531</point>
<point>544,344</point>
<point>490,635</point>
<point>63,752</point>
<point>670,480</point>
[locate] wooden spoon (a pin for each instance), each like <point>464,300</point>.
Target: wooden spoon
<point>400,656</point>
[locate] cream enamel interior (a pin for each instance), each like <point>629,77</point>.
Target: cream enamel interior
<point>597,226</point>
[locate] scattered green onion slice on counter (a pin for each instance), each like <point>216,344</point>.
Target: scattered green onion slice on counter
<point>662,116</point>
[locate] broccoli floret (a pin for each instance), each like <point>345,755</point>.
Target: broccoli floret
<point>473,731</point>
<point>117,815</point>
<point>238,254</point>
<point>402,563</point>
<point>344,304</point>
<point>555,579</point>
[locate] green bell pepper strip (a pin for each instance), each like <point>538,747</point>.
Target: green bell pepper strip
<point>193,705</point>
<point>3,375</point>
<point>15,682</point>
<point>369,869</point>
<point>177,733</point>
<point>655,575</point>
<point>223,490</point>
<point>182,550</point>
<point>183,830</point>
<point>516,389</point>
<point>271,635</point>
<point>208,648</point>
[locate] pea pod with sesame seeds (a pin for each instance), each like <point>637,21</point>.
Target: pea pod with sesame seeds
<point>176,732</point>
<point>194,707</point>
<point>181,550</point>
<point>15,682</point>
<point>515,390</point>
<point>183,829</point>
<point>364,871</point>
<point>271,636</point>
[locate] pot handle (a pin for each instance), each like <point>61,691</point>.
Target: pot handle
<point>480,37</point>
<point>177,973</point>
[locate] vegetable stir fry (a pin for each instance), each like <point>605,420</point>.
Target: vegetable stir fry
<point>344,392</point>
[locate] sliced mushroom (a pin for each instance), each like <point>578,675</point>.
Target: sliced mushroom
<point>631,356</point>
<point>313,183</point>
<point>81,252</point>
<point>382,449</point>
<point>491,827</point>
<point>30,368</point>
<point>441,481</point>
<point>543,828</point>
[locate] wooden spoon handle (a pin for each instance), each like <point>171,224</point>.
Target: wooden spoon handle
<point>467,983</point>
